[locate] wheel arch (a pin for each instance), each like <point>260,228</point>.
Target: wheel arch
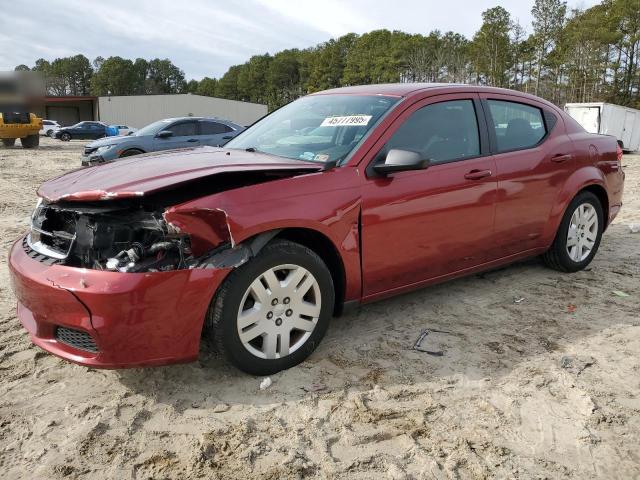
<point>327,251</point>
<point>599,191</point>
<point>130,149</point>
<point>588,178</point>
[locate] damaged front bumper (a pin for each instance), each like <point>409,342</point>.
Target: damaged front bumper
<point>109,319</point>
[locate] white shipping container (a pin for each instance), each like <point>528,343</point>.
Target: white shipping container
<point>609,119</point>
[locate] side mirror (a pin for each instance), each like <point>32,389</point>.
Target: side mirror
<point>401,161</point>
<point>164,134</point>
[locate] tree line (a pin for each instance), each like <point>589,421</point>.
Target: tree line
<point>568,56</point>
<point>112,76</point>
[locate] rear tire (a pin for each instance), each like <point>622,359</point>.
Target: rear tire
<point>8,142</point>
<point>578,236</point>
<point>49,133</point>
<point>32,141</point>
<point>287,318</point>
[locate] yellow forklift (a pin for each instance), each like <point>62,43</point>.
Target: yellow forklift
<point>19,123</point>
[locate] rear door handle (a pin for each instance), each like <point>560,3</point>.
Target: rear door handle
<point>477,174</point>
<point>192,140</point>
<point>560,158</point>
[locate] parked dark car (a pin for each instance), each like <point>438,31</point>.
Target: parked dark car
<point>82,131</point>
<point>164,134</point>
<point>340,198</point>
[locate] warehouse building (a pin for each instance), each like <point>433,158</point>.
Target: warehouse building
<point>68,110</point>
<point>140,110</point>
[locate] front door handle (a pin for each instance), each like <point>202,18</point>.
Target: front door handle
<point>191,140</point>
<point>560,158</point>
<point>477,174</point>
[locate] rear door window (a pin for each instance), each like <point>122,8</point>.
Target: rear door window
<point>441,132</point>
<point>213,128</point>
<point>517,126</point>
<point>184,129</point>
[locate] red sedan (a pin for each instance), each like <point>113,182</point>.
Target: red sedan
<point>340,198</point>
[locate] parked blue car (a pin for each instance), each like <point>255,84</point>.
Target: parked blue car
<point>81,131</point>
<point>162,135</point>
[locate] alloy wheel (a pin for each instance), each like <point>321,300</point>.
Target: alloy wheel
<point>279,311</point>
<point>582,233</point>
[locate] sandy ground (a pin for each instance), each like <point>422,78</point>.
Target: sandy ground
<point>532,388</point>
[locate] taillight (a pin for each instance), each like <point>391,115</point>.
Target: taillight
<point>619,153</point>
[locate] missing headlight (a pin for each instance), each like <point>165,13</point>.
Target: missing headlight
<point>124,239</point>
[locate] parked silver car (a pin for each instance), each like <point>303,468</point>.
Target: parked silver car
<point>164,134</point>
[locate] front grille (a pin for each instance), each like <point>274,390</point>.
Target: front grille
<point>76,339</point>
<point>16,117</point>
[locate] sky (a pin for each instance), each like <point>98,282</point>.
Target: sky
<point>204,38</point>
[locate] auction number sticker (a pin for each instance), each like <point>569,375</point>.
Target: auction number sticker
<point>347,121</point>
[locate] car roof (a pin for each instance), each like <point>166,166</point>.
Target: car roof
<point>409,89</point>
<point>174,119</point>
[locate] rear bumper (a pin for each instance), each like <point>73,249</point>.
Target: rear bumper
<point>134,319</point>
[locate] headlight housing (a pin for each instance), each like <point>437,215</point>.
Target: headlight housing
<point>103,148</point>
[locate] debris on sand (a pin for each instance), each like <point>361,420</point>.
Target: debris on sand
<point>421,337</point>
<point>220,408</point>
<point>265,383</point>
<point>314,387</point>
<point>576,363</point>
<point>619,293</point>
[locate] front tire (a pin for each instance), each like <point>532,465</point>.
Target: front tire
<point>65,137</point>
<point>8,142</point>
<point>578,236</point>
<point>31,141</point>
<point>271,313</point>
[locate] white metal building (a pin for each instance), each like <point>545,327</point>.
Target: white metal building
<point>140,110</point>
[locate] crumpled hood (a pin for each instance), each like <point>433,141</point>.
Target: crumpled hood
<point>143,174</point>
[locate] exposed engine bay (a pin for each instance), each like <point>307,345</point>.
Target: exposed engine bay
<point>132,235</point>
<point>117,238</point>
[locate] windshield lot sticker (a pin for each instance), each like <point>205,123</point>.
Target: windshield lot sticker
<point>306,156</point>
<point>348,121</point>
<point>321,157</point>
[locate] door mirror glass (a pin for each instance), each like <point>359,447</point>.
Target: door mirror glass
<point>401,161</point>
<point>165,134</point>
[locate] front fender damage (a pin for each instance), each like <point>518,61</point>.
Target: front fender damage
<point>208,228</point>
<point>212,241</point>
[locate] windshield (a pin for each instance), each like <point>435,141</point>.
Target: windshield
<point>152,128</point>
<point>320,128</point>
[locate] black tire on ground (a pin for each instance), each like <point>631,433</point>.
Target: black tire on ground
<point>221,320</point>
<point>131,152</point>
<point>557,257</point>
<point>8,142</point>
<point>65,137</point>
<point>32,141</point>
<point>49,133</point>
